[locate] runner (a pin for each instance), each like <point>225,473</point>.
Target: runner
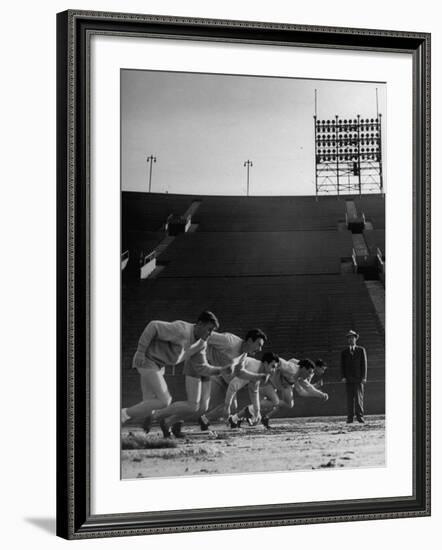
<point>198,374</point>
<point>224,349</point>
<point>257,372</point>
<point>164,344</point>
<point>317,380</point>
<point>278,393</point>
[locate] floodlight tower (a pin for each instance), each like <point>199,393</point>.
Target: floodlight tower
<point>348,155</point>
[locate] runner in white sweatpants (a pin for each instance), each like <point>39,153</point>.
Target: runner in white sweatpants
<point>223,349</point>
<point>262,372</point>
<point>164,344</point>
<point>198,374</point>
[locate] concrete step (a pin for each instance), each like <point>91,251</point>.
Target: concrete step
<point>359,244</point>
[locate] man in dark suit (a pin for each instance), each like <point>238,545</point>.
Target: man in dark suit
<point>354,374</point>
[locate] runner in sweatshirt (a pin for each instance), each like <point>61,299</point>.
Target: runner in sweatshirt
<point>162,344</point>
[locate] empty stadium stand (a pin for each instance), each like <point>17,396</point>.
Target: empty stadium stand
<point>148,212</point>
<point>141,240</point>
<point>268,214</point>
<point>271,262</point>
<point>256,253</point>
<point>373,206</point>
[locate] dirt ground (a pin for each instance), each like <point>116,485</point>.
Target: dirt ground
<point>291,444</point>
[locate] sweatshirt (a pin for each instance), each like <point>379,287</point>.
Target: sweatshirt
<point>163,343</point>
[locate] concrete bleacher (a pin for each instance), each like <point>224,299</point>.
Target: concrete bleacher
<point>257,253</point>
<point>301,313</point>
<point>281,274</point>
<point>375,239</point>
<point>149,211</point>
<point>269,213</point>
<point>144,241</point>
<point>373,206</point>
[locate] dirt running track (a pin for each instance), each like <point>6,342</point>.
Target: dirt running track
<point>292,444</point>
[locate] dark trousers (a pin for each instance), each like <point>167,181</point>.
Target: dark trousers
<point>355,399</point>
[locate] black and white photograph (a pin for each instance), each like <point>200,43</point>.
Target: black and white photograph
<point>223,256</point>
<point>253,266</point>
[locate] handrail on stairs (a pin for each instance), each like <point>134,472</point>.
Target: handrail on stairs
<point>146,258</point>
<point>353,257</point>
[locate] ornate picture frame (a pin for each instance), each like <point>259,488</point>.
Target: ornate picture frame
<point>75,30</point>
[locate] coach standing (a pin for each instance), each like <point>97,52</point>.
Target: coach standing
<point>354,374</point>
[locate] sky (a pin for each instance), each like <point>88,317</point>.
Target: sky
<point>203,127</point>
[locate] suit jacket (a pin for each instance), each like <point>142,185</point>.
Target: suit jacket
<point>354,366</point>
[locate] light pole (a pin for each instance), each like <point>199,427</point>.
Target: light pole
<point>150,160</point>
<point>249,164</point>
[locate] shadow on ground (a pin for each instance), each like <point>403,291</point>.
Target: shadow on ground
<point>46,524</point>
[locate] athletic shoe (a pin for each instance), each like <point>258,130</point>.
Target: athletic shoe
<point>232,423</point>
<point>204,423</point>
<point>265,422</point>
<point>165,429</point>
<point>349,420</point>
<point>147,424</point>
<point>248,416</point>
<point>176,429</point>
<point>360,420</point>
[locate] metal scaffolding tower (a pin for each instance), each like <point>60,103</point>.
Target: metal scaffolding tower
<point>348,155</point>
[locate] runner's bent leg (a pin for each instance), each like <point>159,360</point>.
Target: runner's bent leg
<point>272,396</point>
<point>204,402</point>
<point>154,390</point>
<point>217,395</point>
<point>181,410</point>
<point>286,397</point>
<point>285,400</point>
<point>205,397</point>
<point>265,402</point>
